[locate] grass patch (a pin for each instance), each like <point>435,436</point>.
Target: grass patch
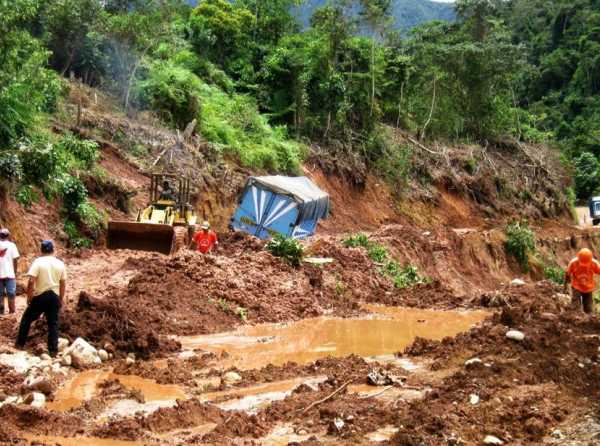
<point>288,249</point>
<point>402,276</point>
<point>520,242</point>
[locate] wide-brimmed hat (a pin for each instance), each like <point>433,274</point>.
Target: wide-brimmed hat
<point>205,225</point>
<point>4,233</point>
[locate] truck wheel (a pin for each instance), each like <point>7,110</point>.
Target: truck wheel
<point>595,221</point>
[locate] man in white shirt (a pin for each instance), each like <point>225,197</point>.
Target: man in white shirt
<point>9,260</point>
<point>45,294</point>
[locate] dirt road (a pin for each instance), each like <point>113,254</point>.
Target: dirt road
<point>241,348</point>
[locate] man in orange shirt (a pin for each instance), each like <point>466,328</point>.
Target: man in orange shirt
<point>580,273</point>
<point>206,240</point>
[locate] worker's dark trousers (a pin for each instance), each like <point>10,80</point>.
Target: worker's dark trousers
<point>47,303</point>
<point>582,300</point>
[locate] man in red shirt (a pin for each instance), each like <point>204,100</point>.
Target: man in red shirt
<point>206,240</point>
<point>580,274</point>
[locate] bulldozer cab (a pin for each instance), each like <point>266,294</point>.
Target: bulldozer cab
<point>169,190</point>
<point>168,217</point>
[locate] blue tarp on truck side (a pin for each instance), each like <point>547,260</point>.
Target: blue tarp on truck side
<point>291,206</point>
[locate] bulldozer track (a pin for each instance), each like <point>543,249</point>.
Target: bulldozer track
<point>180,239</point>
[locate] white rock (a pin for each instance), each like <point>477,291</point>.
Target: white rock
<point>129,360</point>
<point>22,362</point>
<point>82,353</point>
<point>131,355</point>
<point>45,357</point>
<point>517,282</point>
<point>490,439</point>
<point>46,369</point>
<point>66,361</point>
<point>56,367</point>
<point>103,354</point>
<point>473,362</point>
<point>515,335</point>
<point>474,399</point>
<point>63,343</point>
<point>230,378</point>
<point>39,399</point>
<point>557,433</point>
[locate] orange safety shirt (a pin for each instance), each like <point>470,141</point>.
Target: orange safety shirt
<point>582,276</point>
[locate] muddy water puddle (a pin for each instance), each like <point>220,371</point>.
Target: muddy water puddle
<point>80,441</point>
<point>252,399</point>
<point>84,386</point>
<point>386,331</point>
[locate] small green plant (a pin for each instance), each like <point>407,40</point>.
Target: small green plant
<point>10,168</point>
<point>357,240</point>
<point>223,305</point>
<point>288,249</point>
<point>242,313</point>
<point>555,274</point>
<point>90,218</point>
<point>39,160</point>
<point>73,193</point>
<point>408,276</point>
<point>377,253</point>
<point>470,165</point>
<point>340,288</point>
<point>26,196</point>
<point>402,277</point>
<point>520,242</point>
<point>76,240</point>
<point>84,151</point>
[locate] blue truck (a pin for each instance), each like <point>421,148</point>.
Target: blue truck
<point>594,205</point>
<point>290,206</point>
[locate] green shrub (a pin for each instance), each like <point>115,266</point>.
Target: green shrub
<point>288,249</point>
<point>39,160</point>
<point>520,242</point>
<point>555,274</point>
<point>394,165</point>
<point>377,253</point>
<point>90,217</point>
<point>10,168</point>
<point>75,239</point>
<point>407,277</point>
<point>73,193</point>
<point>26,196</point>
<point>84,151</point>
<point>357,240</point>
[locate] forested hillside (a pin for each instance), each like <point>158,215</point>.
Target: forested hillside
<point>265,90</point>
<point>406,14</point>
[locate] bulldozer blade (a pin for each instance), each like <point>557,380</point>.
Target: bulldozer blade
<point>140,236</point>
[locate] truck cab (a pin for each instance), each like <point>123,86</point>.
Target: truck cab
<point>594,204</point>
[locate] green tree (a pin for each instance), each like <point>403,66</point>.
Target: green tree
<point>587,175</point>
<point>26,87</point>
<point>67,24</point>
<point>376,14</point>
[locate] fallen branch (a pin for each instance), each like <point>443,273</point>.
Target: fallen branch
<point>159,157</point>
<point>373,395</point>
<point>421,146</point>
<point>316,403</point>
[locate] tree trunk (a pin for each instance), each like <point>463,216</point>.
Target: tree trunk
<point>372,73</point>
<point>431,110</point>
<point>68,63</point>
<point>400,104</point>
<point>132,77</point>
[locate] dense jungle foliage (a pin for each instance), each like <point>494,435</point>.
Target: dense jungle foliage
<point>264,86</point>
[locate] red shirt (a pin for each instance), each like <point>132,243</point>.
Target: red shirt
<point>205,241</point>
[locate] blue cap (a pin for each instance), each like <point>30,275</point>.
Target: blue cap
<point>47,246</point>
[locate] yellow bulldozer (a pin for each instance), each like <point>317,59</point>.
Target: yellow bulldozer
<point>165,225</point>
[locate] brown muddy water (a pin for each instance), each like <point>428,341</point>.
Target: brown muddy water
<point>387,330</point>
<point>84,386</point>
